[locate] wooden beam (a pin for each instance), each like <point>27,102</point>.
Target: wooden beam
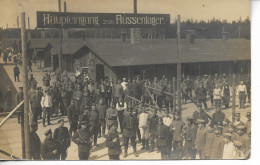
<point>152,97</point>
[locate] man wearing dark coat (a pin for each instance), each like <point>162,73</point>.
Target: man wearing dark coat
<point>153,129</point>
<point>111,116</point>
<point>50,148</point>
<point>226,95</point>
<point>201,94</point>
<point>35,143</point>
<point>190,137</point>
<point>83,139</point>
<point>113,143</point>
<point>16,73</point>
<point>199,114</point>
<point>217,118</point>
<point>73,117</point>
<point>94,123</point>
<point>61,135</point>
<point>101,108</point>
<point>130,125</point>
<point>163,135</point>
<point>19,99</point>
<point>201,136</point>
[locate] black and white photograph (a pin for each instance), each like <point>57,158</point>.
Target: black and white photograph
<point>125,79</point>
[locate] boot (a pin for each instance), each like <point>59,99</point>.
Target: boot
<point>143,144</point>
<point>147,144</point>
<point>125,155</point>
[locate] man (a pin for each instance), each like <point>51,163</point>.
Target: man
<point>36,105</point>
<point>199,113</point>
<point>84,117</point>
<point>86,99</point>
<point>111,117</point>
<point>50,149</point>
<point>117,92</point>
<point>210,89</point>
<point>123,84</point>
<point>226,95</point>
<point>190,137</point>
<point>130,124</point>
<point>143,120</point>
<point>184,91</point>
<point>101,108</point>
<point>163,135</point>
<point>57,74</point>
<point>32,81</point>
<point>64,100</point>
<point>201,94</point>
<point>201,138</point>
<point>237,121</point>
<point>248,89</point>
<point>46,79</point>
<point>121,106</point>
<point>209,142</point>
<point>55,99</point>
<point>241,92</point>
<point>167,121</point>
<point>177,128</point>
<point>189,86</point>
<point>153,125</point>
<point>113,144</point>
<point>217,118</point>
<point>16,73</point>
<point>77,97</point>
<point>46,104</point>
<point>240,135</point>
<point>248,124</point>
<point>35,142</point>
<point>73,117</point>
<point>94,123</point>
<point>82,138</point>
<point>217,97</point>
<point>61,135</point>
<point>29,64</point>
<point>218,144</point>
<point>19,99</point>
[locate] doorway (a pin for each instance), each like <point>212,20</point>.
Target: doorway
<point>99,72</point>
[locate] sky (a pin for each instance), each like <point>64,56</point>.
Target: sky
<point>188,9</point>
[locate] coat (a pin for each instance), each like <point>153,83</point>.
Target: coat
<point>35,146</point>
<point>72,114</point>
<point>190,136</point>
<point>153,124</point>
<point>82,139</point>
<point>114,148</point>
<point>201,138</point>
<point>62,135</point>
<point>117,90</point>
<point>101,111</point>
<point>16,70</point>
<point>228,151</point>
<point>209,143</point>
<point>217,118</point>
<point>177,127</point>
<point>217,147</point>
<point>201,93</point>
<point>111,116</point>
<point>163,135</point>
<point>130,125</point>
<point>200,115</point>
<point>47,147</point>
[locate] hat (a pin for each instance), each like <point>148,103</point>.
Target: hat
<point>205,75</point>
<point>248,114</point>
<point>61,120</point>
<point>47,132</point>
<point>240,127</point>
<point>124,78</point>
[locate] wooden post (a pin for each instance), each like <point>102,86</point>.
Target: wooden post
<point>25,88</point>
<point>128,72</point>
<point>174,93</point>
<point>233,97</point>
<point>179,64</point>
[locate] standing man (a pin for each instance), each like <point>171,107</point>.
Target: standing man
<point>217,118</point>
<point>73,117</point>
<point>111,117</point>
<point>190,137</point>
<point>117,92</point>
<point>55,99</point>
<point>121,107</point>
<point>163,135</point>
<point>16,73</point>
<point>201,94</point>
<point>94,124</point>
<point>248,89</point>
<point>130,124</point>
<point>61,135</point>
<point>209,142</point>
<point>241,92</point>
<point>237,121</point>
<point>29,64</point>
<point>36,105</point>
<point>167,121</point>
<point>143,120</point>
<point>77,97</point>
<point>46,79</point>
<point>113,144</point>
<point>83,139</point>
<point>50,149</point>
<point>35,143</point>
<point>248,124</point>
<point>19,99</point>
<point>46,104</point>
<point>217,97</point>
<point>153,125</point>
<point>101,108</point>
<point>199,113</point>
<point>201,138</point>
<point>226,94</point>
<point>218,144</point>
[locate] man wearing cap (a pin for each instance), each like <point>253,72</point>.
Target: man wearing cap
<point>248,89</point>
<point>217,94</point>
<point>35,142</point>
<point>248,124</point>
<point>177,128</point>
<point>94,127</point>
<point>16,73</point>
<point>86,99</point>
<point>199,114</point>
<point>55,98</point>
<point>217,117</point>
<point>113,143</point>
<point>241,92</point>
<point>167,121</point>
<point>84,117</point>
<point>82,138</point>
<point>46,79</point>
<point>117,92</point>
<point>121,107</point>
<point>143,120</point>
<point>77,97</point>
<point>163,135</point>
<point>111,116</point>
<point>190,133</point>
<point>240,135</point>
<point>201,137</point>
<point>73,117</point>
<point>46,104</point>
<point>101,108</point>
<point>201,94</point>
<point>189,86</point>
<point>237,121</point>
<point>209,142</point>
<point>130,125</point>
<point>50,148</point>
<point>226,94</point>
<point>36,104</point>
<point>218,144</point>
<point>153,125</point>
<point>61,135</point>
<point>32,81</point>
<point>64,100</point>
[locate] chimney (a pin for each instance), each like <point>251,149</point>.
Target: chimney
<point>123,36</point>
<point>29,34</point>
<point>190,36</point>
<point>65,7</point>
<point>59,5</point>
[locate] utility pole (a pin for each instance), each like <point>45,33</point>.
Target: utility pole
<point>179,64</point>
<point>61,35</point>
<point>25,88</point>
<point>174,94</point>
<point>233,97</point>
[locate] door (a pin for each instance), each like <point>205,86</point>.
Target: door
<point>99,72</point>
